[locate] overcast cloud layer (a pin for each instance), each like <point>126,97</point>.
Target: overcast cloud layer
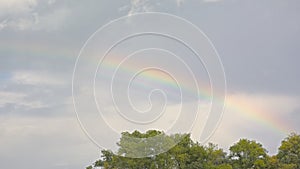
<point>258,43</point>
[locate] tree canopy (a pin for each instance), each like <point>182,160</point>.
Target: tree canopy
<point>186,154</point>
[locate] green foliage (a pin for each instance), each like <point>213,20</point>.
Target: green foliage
<point>224,166</point>
<point>289,151</point>
<point>89,167</point>
<point>248,154</point>
<point>136,145</point>
<point>183,153</point>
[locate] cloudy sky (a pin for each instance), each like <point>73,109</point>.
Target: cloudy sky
<point>40,42</point>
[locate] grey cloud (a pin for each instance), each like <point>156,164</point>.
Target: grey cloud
<point>257,42</point>
<point>44,143</point>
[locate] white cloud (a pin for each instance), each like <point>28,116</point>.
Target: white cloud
<point>23,23</point>
<point>25,15</point>
<point>10,97</point>
<point>51,21</point>
<point>22,99</point>
<point>179,2</point>
<point>140,6</point>
<point>17,14</point>
<point>3,24</point>
<point>19,100</point>
<point>36,78</point>
<point>9,7</point>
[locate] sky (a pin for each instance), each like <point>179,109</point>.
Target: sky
<point>53,72</point>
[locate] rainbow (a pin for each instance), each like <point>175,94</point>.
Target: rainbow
<point>246,109</point>
<point>157,76</point>
<point>258,115</point>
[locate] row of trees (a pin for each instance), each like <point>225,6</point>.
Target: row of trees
<point>186,154</point>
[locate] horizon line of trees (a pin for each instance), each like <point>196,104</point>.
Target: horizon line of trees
<point>187,154</point>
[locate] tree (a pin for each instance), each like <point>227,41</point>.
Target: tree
<point>150,146</point>
<point>178,151</point>
<point>208,157</point>
<point>248,154</point>
<point>289,152</point>
<point>272,162</point>
<point>183,154</point>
